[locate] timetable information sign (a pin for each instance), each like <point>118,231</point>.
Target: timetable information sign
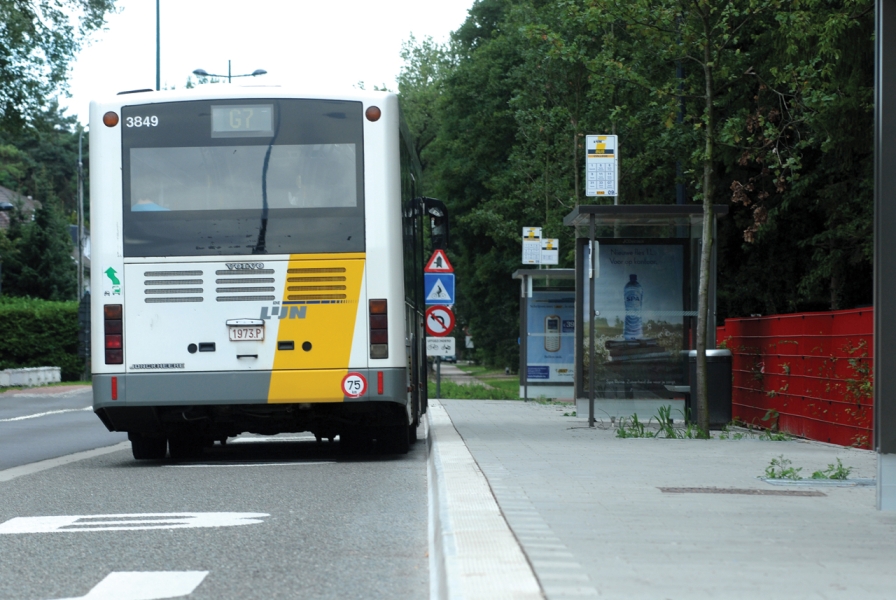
<point>601,165</point>
<point>550,251</point>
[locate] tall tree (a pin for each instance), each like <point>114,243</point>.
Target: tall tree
<point>47,269</point>
<point>46,157</point>
<point>38,41</point>
<point>420,84</point>
<point>717,41</point>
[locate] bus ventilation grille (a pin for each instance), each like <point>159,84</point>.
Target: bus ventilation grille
<point>245,281</point>
<point>172,286</point>
<point>326,284</point>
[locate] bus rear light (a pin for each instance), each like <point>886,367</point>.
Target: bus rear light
<point>379,383</point>
<point>373,113</point>
<point>115,388</point>
<point>113,330</point>
<point>379,329</point>
<point>110,119</point>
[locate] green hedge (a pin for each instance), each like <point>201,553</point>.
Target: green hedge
<point>40,333</point>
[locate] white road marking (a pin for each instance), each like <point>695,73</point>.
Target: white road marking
<point>10,474</point>
<point>128,522</point>
<point>145,585</point>
<point>293,464</point>
<point>45,414</point>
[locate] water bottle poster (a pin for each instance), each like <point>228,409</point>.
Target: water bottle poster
<point>639,299</point>
<point>550,339</point>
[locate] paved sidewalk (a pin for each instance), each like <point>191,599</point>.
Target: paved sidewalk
<point>589,513</point>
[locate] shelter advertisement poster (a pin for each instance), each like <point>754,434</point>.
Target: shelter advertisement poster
<point>550,345</point>
<point>639,320</point>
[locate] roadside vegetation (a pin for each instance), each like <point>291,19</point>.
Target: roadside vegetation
<point>40,333</point>
<point>763,105</point>
<point>782,468</point>
<point>493,384</point>
<point>39,142</point>
<point>456,391</point>
<point>665,425</point>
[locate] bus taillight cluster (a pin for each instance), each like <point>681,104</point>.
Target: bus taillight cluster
<point>379,329</point>
<point>112,328</point>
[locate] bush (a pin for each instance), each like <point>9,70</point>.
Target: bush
<point>40,333</point>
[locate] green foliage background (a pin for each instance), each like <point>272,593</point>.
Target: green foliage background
<point>38,143</point>
<point>40,333</point>
<point>503,107</point>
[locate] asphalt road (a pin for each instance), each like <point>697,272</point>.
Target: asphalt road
<point>253,519</point>
<point>41,423</point>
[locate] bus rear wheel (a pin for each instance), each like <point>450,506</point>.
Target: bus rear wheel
<point>394,440</point>
<point>184,446</point>
<point>147,447</point>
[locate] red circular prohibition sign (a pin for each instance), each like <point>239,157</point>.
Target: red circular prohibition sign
<point>439,321</point>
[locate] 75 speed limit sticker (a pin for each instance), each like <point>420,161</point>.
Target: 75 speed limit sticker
<point>354,385</point>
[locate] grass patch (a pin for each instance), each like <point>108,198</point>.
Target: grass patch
<point>511,387</point>
<point>471,392</point>
<point>482,372</point>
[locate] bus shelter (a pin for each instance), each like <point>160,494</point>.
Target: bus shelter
<point>636,306</point>
<point>547,332</point>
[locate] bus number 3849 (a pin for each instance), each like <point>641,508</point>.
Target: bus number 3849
<point>152,121</point>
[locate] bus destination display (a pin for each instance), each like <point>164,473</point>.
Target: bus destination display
<point>250,120</point>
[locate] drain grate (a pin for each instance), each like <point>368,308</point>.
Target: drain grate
<point>741,491</point>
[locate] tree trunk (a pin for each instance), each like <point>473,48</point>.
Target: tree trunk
<point>575,157</point>
<point>706,249</point>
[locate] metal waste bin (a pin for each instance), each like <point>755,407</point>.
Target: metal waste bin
<point>718,383</point>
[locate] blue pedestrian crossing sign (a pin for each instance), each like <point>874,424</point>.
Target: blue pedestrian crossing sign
<point>438,288</point>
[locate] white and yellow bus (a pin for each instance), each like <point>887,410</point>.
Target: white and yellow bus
<point>257,267</point>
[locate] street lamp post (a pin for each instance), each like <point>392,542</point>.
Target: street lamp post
<point>158,49</point>
<point>204,73</point>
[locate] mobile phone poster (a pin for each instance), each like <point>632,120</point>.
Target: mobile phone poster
<point>551,337</point>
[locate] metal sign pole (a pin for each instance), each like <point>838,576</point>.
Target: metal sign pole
<point>591,334</point>
<point>438,377</point>
<point>524,343</point>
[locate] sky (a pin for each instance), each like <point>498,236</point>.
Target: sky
<point>334,43</point>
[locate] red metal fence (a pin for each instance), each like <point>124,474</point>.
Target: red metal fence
<point>808,374</point>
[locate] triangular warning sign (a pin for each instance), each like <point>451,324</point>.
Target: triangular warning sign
<point>438,263</point>
<point>438,292</point>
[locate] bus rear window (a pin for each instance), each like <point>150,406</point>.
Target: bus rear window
<point>189,192</point>
<point>238,177</point>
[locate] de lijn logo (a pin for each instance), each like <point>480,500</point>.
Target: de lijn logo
<point>283,312</point>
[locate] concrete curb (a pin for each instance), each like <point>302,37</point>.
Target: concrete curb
<point>473,553</point>
<point>30,376</point>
